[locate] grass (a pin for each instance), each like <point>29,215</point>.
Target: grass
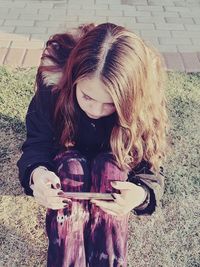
<point>170,237</point>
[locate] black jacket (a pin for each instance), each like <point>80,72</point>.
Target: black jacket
<point>41,146</point>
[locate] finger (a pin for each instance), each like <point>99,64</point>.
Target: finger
<point>57,207</point>
<point>121,185</point>
<point>48,192</point>
<point>48,197</point>
<point>118,199</point>
<point>51,199</point>
<point>44,189</point>
<point>52,202</point>
<point>40,185</point>
<point>50,178</point>
<point>32,187</point>
<point>40,198</point>
<point>54,180</point>
<point>53,206</point>
<point>58,200</point>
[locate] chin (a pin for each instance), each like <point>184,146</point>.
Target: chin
<point>93,117</point>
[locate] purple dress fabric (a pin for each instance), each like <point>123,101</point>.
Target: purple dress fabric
<point>83,235</point>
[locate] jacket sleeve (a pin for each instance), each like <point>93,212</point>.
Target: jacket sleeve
<point>39,147</point>
<point>153,184</point>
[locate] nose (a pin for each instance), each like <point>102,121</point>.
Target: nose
<point>97,109</point>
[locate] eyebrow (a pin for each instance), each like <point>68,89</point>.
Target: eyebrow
<point>95,99</point>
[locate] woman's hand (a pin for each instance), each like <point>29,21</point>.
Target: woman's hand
<point>44,193</point>
<point>131,196</point>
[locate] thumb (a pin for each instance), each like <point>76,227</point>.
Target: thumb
<point>32,187</point>
<point>121,185</point>
<point>54,181</point>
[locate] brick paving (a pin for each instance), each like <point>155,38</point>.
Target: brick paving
<point>172,26</point>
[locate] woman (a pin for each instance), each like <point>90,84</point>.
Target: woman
<point>98,116</point>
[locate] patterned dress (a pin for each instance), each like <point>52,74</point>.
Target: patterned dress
<point>82,234</point>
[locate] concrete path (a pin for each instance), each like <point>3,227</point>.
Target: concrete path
<point>172,26</point>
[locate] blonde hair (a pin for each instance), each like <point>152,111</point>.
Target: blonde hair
<point>134,75</point>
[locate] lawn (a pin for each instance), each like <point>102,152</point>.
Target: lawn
<point>168,238</point>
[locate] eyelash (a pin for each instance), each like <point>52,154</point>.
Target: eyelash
<point>89,99</point>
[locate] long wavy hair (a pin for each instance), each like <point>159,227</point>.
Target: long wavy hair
<point>133,72</point>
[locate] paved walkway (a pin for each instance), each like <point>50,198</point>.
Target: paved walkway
<point>171,26</point>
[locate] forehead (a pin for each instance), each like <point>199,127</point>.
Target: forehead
<point>95,89</point>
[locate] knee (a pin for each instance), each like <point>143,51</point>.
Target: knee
<point>104,157</point>
<point>72,161</point>
<point>105,163</point>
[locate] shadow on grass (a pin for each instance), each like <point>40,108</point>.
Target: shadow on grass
<point>15,124</point>
<point>12,129</point>
<point>11,139</point>
<point>20,245</point>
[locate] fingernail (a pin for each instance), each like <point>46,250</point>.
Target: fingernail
<point>60,193</point>
<point>66,205</point>
<point>66,201</point>
<point>58,186</point>
<point>113,196</point>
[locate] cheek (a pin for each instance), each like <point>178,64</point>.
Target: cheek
<point>110,110</point>
<point>80,100</point>
<point>86,106</point>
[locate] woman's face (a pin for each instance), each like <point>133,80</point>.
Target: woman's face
<point>93,98</point>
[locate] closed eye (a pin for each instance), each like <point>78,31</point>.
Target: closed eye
<point>87,97</point>
<point>111,104</point>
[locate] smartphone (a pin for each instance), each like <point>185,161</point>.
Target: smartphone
<point>87,195</point>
